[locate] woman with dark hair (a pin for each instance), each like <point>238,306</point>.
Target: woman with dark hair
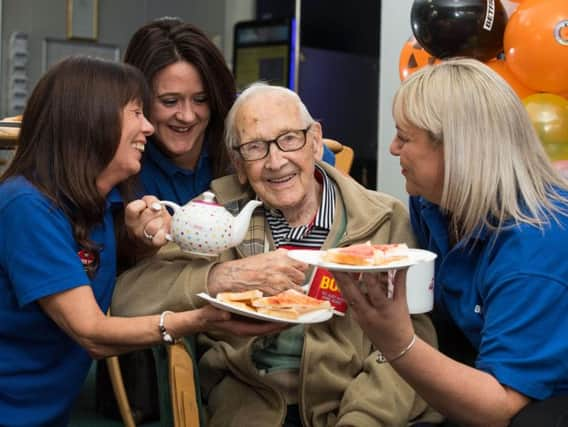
<point>192,91</point>
<point>82,137</point>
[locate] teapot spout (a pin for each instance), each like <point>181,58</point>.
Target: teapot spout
<point>242,220</point>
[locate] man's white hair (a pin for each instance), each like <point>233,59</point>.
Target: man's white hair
<point>254,90</point>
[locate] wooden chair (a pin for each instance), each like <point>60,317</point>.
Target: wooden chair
<point>115,376</point>
<point>183,396</point>
<point>185,403</point>
<point>343,154</point>
<point>9,131</point>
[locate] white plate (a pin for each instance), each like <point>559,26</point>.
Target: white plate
<point>313,317</point>
<point>315,258</point>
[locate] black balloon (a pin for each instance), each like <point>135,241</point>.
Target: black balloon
<point>472,28</point>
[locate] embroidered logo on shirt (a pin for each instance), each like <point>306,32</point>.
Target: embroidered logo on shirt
<point>86,257</point>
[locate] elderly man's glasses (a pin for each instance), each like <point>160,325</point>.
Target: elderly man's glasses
<point>292,140</point>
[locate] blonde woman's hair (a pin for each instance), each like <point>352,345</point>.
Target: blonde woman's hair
<point>252,91</point>
<point>495,168</point>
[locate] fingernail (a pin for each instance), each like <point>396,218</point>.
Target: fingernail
<point>156,207</point>
<point>169,237</point>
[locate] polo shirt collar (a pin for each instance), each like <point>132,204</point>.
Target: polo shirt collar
<point>114,197</point>
<point>165,163</point>
<point>434,212</point>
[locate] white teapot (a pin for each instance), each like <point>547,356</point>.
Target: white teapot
<point>203,227</point>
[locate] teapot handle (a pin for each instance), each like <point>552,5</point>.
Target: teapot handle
<point>175,207</point>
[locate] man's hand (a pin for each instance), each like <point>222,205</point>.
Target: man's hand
<point>271,273</point>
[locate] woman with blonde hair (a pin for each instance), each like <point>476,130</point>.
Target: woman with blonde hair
<point>486,199</point>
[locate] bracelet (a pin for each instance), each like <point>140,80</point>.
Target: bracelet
<point>166,336</point>
<point>383,359</point>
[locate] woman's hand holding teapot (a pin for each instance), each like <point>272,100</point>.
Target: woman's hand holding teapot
<point>148,221</point>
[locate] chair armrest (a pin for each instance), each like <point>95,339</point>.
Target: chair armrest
<point>119,391</point>
<point>182,387</point>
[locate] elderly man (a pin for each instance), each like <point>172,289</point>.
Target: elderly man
<point>308,375</point>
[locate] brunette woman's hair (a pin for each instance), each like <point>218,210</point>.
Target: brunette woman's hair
<point>166,41</point>
<point>70,132</point>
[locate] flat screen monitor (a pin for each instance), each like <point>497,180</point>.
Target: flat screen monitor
<point>264,50</point>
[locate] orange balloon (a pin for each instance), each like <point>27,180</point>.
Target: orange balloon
<point>549,116</point>
<point>536,45</point>
<point>413,57</point>
<point>499,66</point>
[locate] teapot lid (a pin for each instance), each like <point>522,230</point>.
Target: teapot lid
<point>208,199</point>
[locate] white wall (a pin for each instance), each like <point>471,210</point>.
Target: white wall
<point>117,22</point>
<point>395,30</point>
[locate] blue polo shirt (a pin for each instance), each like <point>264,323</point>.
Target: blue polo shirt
<point>41,367</point>
<point>508,294</point>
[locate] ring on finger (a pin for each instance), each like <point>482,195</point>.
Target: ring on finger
<point>147,235</point>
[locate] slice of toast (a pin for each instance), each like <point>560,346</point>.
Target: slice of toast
<point>365,254</point>
<point>359,254</point>
<point>389,253</point>
<point>241,305</point>
<point>239,296</point>
<point>293,300</point>
<point>338,257</point>
<point>289,304</point>
<point>283,313</point>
